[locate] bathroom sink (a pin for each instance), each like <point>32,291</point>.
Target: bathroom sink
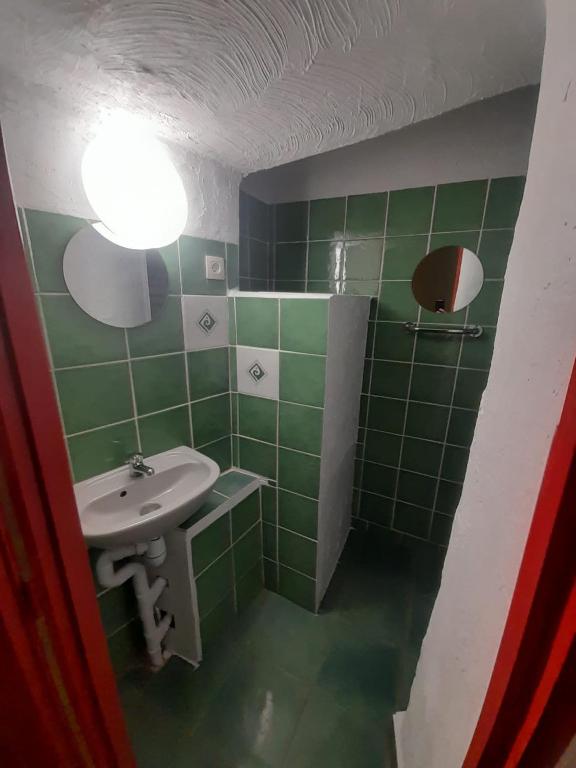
<point>117,509</point>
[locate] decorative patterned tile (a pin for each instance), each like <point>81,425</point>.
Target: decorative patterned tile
<point>257,371</point>
<point>205,320</point>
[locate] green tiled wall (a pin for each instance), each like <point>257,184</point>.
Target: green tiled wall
<point>420,394</point>
<point>281,438</point>
<point>255,244</point>
<point>121,391</point>
<point>227,559</point>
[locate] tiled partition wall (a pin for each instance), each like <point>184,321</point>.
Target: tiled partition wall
<point>278,410</point>
<point>256,244</point>
<point>421,395</point>
<point>125,391</point>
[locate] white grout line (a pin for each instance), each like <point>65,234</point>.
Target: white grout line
<point>228,549</point>
<point>307,247</point>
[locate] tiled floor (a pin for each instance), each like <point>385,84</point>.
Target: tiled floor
<point>287,689</point>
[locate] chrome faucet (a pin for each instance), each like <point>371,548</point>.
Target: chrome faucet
<point>137,466</point>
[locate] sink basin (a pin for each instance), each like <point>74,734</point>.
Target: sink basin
<point>117,509</point>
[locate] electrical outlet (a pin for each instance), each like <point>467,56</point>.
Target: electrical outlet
<point>215,268</point>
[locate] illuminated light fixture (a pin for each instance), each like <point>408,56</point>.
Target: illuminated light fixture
<point>133,186</point>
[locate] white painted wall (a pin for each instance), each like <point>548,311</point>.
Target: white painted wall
<point>533,358</point>
<point>484,140</point>
<point>45,146</point>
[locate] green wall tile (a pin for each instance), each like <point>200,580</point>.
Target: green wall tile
<point>327,218</point>
<point>75,338</point>
<point>379,479</point>
<point>166,430</point>
<point>212,542</point>
<point>211,419</point>
<point>494,249</point>
<point>461,429</point>
<point>484,309</point>
<point>217,621</point>
<point>459,206</point>
<point>402,255</point>
<point>259,218</point>
<point>303,325</point>
<point>412,520</point>
<point>382,448</point>
<point>427,421</point>
<point>465,239</point>
<point>324,260</point>
<point>102,450</point>
<point>49,235</point>
<point>299,472</point>
<point>469,388</point>
<point>362,260</point>
<point>393,342</point>
<point>454,463</point>
<point>441,528</point>
<point>162,334</point>
<point>159,382</point>
<point>257,322</point>
<point>300,428</point>
<point>410,211</point>
<point>117,607</point>
<point>269,541</point>
<point>291,221</point>
<point>359,287</point>
<point>397,301</point>
<point>192,260</point>
<point>366,215</point>
<point>208,372</point>
<point>421,456</point>
<point>269,503</point>
<point>220,452</point>
<point>416,489</point>
<point>171,259</point>
<point>297,552</point>
<point>390,379</point>
<point>258,457</point>
<point>437,350</point>
<point>232,266</point>
<point>290,261</point>
<point>257,418</point>
<point>375,509</point>
<point>298,514</point>
<point>386,414</point>
<point>432,384</point>
<point>448,497</point>
<point>302,378</point>
<point>297,588</point>
<point>504,199</point>
<point>270,575</point>
<point>215,584</point>
<point>95,396</point>
<point>477,352</point>
<point>245,515</point>
<point>247,551</point>
<point>249,586</point>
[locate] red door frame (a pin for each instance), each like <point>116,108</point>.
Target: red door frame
<point>529,713</point>
<point>64,706</point>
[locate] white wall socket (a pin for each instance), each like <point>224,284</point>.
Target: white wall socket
<point>215,268</point>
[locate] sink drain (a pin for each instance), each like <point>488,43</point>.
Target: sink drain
<point>147,508</point>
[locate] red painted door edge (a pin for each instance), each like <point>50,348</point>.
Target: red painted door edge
<point>41,543</point>
<point>539,601</point>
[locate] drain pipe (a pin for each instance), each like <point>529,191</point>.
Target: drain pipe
<point>146,595</point>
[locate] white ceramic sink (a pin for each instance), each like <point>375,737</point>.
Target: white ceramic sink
<point>117,509</point>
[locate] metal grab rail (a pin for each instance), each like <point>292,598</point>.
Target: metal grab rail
<point>473,331</point>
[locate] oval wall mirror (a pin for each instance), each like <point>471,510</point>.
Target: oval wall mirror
<point>447,279</point>
<point>118,286</point>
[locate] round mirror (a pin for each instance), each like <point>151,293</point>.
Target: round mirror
<point>118,286</point>
<point>447,279</point>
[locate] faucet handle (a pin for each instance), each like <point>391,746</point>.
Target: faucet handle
<point>135,458</point>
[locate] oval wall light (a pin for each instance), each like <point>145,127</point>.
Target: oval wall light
<point>133,187</point>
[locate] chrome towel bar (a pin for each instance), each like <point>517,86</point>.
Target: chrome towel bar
<point>474,331</point>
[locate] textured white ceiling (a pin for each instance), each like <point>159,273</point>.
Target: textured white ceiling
<point>256,83</point>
